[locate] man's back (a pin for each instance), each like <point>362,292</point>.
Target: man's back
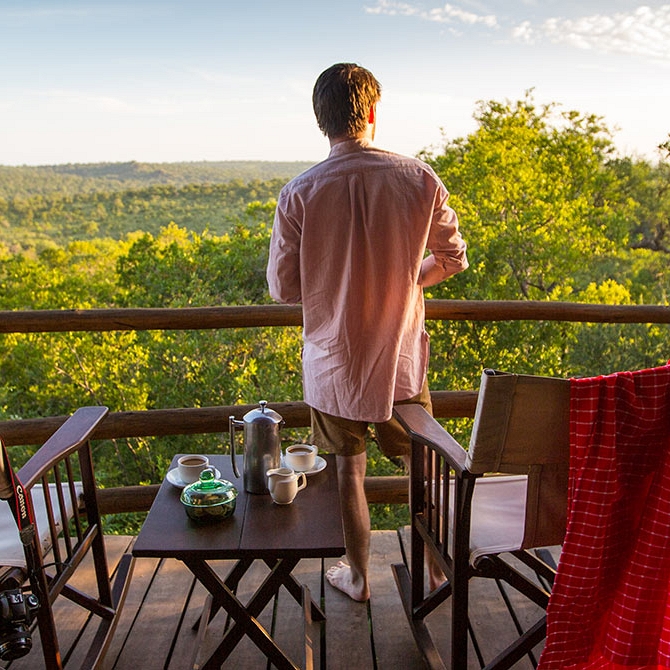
<point>356,227</point>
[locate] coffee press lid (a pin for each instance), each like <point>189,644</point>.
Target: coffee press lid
<point>262,414</point>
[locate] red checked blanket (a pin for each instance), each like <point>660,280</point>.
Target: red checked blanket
<point>610,605</point>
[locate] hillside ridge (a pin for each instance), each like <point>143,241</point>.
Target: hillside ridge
<point>77,178</point>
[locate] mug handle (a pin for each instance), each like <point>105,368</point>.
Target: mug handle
<point>304,481</point>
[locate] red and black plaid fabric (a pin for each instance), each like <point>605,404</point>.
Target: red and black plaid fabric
<point>610,605</point>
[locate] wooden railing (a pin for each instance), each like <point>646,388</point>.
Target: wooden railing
<point>248,316</point>
<point>161,422</point>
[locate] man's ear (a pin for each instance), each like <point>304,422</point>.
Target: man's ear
<point>372,114</point>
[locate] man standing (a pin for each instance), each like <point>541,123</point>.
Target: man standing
<point>349,242</point>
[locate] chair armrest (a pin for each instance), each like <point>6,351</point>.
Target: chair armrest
<point>11,577</point>
<point>72,433</point>
<point>423,428</point>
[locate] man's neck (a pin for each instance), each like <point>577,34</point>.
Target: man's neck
<point>367,134</point>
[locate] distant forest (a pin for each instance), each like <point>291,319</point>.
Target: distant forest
<point>78,178</point>
<point>43,206</point>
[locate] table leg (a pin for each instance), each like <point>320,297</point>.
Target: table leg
<point>245,621</point>
<point>232,581</point>
<point>203,620</point>
<point>310,627</point>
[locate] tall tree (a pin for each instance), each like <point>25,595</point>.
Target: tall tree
<point>544,215</point>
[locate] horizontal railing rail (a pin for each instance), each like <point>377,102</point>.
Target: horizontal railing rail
<point>201,420</point>
<point>250,316</point>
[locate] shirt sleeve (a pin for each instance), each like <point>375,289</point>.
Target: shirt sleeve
<point>444,238</point>
<point>283,271</point>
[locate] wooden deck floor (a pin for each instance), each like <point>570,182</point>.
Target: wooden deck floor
<point>155,629</point>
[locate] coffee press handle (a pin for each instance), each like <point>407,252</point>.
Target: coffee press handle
<point>232,423</point>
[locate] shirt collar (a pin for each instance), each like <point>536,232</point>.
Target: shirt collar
<point>350,146</point>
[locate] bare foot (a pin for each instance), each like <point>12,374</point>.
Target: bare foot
<point>341,577</point>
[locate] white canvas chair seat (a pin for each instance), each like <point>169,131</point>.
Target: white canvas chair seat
<point>12,553</point>
<point>498,515</point>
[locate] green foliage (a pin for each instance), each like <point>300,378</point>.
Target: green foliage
<point>41,222</point>
<point>647,189</point>
<point>180,268</point>
<point>549,214</point>
<point>532,198</point>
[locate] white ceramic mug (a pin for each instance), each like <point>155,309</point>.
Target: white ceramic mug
<point>284,484</point>
<point>190,466</point>
<point>301,457</point>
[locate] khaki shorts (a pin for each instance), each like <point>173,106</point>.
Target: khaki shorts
<point>346,437</point>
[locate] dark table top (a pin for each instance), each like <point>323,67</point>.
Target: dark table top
<point>310,527</point>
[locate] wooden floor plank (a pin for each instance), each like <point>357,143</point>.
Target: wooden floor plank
<point>143,575</point>
<point>184,650</point>
<point>154,629</point>
<point>393,640</point>
<point>347,631</point>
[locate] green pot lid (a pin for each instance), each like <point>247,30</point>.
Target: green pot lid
<point>208,491</point>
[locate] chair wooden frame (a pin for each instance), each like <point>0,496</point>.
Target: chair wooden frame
<point>65,458</point>
<point>520,428</point>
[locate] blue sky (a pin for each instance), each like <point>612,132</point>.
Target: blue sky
<point>84,81</point>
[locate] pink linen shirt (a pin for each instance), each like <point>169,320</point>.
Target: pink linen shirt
<point>348,242</point>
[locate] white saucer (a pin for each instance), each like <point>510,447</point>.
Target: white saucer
<point>319,464</point>
<point>174,478</point>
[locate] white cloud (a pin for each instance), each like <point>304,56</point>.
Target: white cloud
<point>446,14</point>
<point>393,8</point>
<point>524,33</point>
<point>644,32</point>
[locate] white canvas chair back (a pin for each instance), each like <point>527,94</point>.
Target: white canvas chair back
<point>12,553</point>
<point>521,427</point>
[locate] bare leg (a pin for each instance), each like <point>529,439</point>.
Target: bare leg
<point>435,575</point>
<point>352,579</point>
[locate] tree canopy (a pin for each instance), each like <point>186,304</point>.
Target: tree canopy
<point>550,212</point>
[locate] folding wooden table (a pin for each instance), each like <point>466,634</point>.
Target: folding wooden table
<point>279,535</point>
